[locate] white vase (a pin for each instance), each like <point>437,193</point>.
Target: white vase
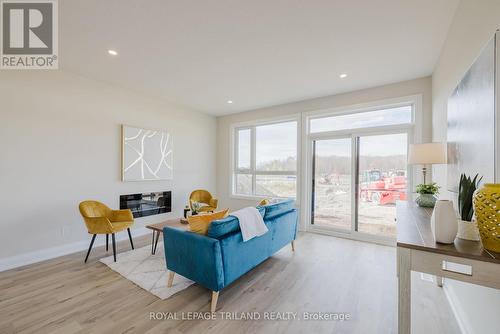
<point>468,230</point>
<point>444,222</point>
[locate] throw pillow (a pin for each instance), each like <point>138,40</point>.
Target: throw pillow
<point>200,223</point>
<point>197,205</point>
<point>264,202</point>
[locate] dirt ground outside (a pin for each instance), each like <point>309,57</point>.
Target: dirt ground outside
<point>332,208</point>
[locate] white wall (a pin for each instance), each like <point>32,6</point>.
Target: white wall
<point>406,88</point>
<point>473,26</point>
<point>60,143</point>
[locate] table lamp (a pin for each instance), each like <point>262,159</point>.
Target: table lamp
<point>427,154</point>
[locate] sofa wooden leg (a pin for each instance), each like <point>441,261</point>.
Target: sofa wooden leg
<point>293,245</point>
<point>171,275</point>
<point>213,305</point>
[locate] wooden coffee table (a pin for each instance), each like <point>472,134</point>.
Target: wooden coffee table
<point>158,229</point>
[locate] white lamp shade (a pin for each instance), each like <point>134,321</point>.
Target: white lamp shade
<point>427,154</point>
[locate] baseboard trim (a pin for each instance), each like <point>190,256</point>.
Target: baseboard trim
<point>457,310</point>
<point>54,252</point>
<point>356,237</point>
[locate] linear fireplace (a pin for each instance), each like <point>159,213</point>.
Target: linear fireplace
<point>147,204</point>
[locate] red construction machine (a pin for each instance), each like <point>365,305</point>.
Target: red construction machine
<point>382,188</point>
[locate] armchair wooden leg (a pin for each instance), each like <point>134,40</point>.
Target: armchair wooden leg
<point>107,242</point>
<point>90,247</point>
<point>293,245</point>
<point>114,246</point>
<point>130,237</point>
<point>213,304</point>
<point>171,275</point>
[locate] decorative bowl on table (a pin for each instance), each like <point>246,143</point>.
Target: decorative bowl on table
<point>426,200</point>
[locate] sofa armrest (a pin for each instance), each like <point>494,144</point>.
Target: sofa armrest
<point>194,256</point>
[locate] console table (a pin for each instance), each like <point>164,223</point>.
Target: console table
<point>417,251</point>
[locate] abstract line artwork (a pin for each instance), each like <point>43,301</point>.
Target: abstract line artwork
<point>147,154</point>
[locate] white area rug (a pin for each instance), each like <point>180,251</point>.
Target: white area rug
<point>147,271</point>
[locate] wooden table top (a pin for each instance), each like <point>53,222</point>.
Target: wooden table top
<point>175,222</point>
<point>414,231</point>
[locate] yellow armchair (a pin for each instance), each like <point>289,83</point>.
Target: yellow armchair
<point>203,196</point>
<point>100,219</point>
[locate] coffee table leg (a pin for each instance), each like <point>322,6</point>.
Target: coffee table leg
<point>153,243</point>
<point>156,242</point>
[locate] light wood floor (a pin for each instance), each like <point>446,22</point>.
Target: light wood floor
<point>325,274</point>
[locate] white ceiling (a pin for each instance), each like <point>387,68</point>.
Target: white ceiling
<point>258,53</point>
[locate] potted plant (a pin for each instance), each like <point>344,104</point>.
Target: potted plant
<point>467,227</point>
<point>427,192</point>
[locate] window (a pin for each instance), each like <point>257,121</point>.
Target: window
<point>266,160</point>
<point>374,118</point>
<point>244,152</point>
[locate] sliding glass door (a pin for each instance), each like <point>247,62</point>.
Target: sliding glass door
<point>359,170</point>
<point>332,164</point>
<point>357,181</point>
<point>381,181</point>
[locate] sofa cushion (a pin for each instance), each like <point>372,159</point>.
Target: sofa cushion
<point>230,224</point>
<point>275,209</point>
<point>262,210</point>
<point>200,223</point>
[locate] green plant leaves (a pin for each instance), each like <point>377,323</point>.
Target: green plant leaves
<point>466,189</point>
<point>432,188</point>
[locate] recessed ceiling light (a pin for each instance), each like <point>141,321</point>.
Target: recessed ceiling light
<point>343,76</point>
<point>229,101</point>
<point>113,52</point>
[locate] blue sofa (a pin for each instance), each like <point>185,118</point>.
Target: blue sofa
<point>219,258</point>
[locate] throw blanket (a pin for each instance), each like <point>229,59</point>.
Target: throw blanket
<point>251,223</point>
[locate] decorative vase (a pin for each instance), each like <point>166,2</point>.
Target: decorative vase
<point>426,200</point>
<point>468,230</point>
<point>444,222</point>
<point>486,207</point>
